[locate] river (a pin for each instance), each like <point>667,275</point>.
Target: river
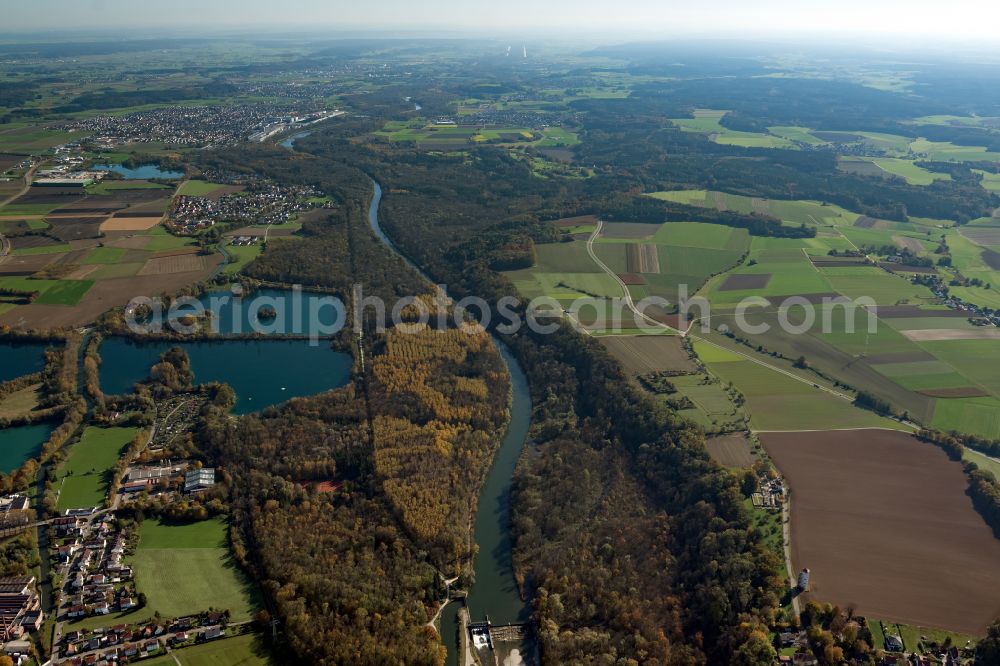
<point>494,592</point>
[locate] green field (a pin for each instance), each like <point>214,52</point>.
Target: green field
<point>86,472</point>
<point>240,256</point>
<point>44,249</point>
<point>706,121</point>
<point>104,255</point>
<point>161,239</point>
<point>198,188</point>
<point>905,169</point>
<point>65,292</point>
<point>982,461</point>
<point>245,650</point>
<point>187,568</point>
<point>110,186</point>
<point>778,402</point>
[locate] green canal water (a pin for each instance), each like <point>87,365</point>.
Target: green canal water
<point>21,443</point>
<point>494,592</point>
<point>261,372</point>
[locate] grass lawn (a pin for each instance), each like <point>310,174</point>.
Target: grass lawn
<point>979,416</point>
<point>28,209</point>
<point>104,255</point>
<point>43,249</point>
<point>908,171</point>
<point>245,650</point>
<point>18,283</point>
<point>87,469</point>
<point>65,292</point>
<point>186,568</point>
<point>112,186</point>
<point>240,256</point>
<point>161,239</point>
<point>20,402</point>
<point>982,461</point>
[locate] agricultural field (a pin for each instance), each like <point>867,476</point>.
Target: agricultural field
<point>670,256</point>
<point>199,188</point>
<point>910,349</point>
<point>186,568</point>
<point>731,450</point>
<point>84,476</point>
<point>642,354</point>
<point>894,167</point>
<point>706,121</point>
<point>100,251</point>
<point>777,402</point>
<point>862,505</point>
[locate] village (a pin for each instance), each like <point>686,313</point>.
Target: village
<point>261,202</point>
<point>193,126</point>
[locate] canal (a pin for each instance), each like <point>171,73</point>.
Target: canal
<point>495,592</point>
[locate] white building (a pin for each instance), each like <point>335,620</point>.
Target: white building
<point>197,480</point>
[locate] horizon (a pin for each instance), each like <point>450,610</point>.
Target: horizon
<point>892,20</point>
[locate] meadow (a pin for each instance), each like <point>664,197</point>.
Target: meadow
<point>777,402</point>
<point>86,472</point>
<point>245,650</point>
<point>187,568</point>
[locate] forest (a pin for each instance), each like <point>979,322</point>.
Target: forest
<point>600,451</point>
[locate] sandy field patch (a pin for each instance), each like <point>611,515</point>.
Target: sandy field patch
<point>907,243</point>
<point>935,334</point>
<point>130,223</point>
<point>884,523</point>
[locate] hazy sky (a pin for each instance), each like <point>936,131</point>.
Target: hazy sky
<point>951,19</point>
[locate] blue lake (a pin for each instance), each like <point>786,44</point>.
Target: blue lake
<point>262,372</point>
<point>294,313</point>
<point>141,172</point>
<point>21,358</point>
<point>290,141</point>
<point>19,444</point>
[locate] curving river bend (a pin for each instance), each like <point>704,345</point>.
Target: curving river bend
<point>494,592</point>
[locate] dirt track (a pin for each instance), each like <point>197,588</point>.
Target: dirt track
<point>884,523</point>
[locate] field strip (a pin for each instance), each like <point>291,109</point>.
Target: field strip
<point>764,432</point>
